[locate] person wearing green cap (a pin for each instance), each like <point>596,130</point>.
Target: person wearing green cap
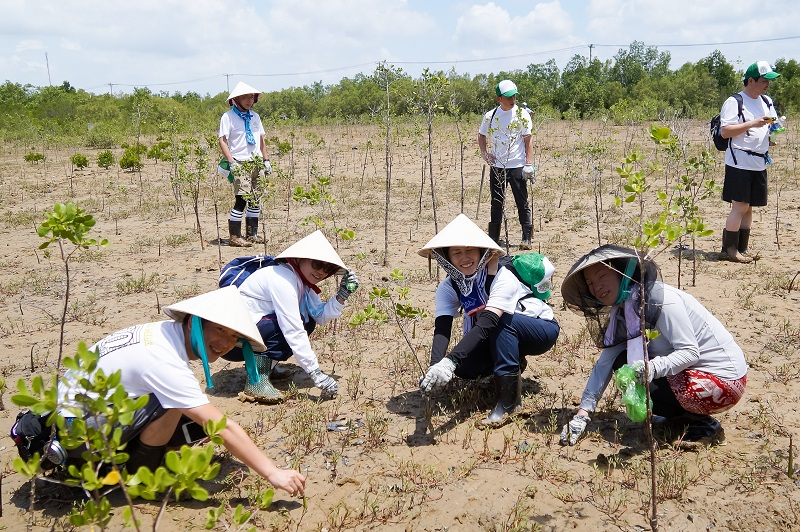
<point>745,119</point>
<point>154,359</point>
<point>505,320</point>
<point>506,143</point>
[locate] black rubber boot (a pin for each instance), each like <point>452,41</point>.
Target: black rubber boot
<point>144,455</point>
<point>251,230</point>
<point>235,231</point>
<point>509,395</point>
<point>494,232</point>
<point>744,241</point>
<point>526,236</point>
<point>730,247</point>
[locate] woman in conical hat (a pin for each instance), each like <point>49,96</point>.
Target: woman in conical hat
<point>695,368</point>
<point>283,300</point>
<point>504,320</point>
<point>241,138</point>
<point>154,360</point>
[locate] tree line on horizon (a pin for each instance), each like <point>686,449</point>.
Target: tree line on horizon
<point>636,85</point>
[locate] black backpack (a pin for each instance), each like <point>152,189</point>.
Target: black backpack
<point>714,126</point>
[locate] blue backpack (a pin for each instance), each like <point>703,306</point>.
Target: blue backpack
<point>239,269</point>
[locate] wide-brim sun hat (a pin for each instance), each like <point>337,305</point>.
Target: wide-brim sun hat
<point>316,247</point>
<point>461,232</point>
<point>223,306</point>
<point>574,289</point>
<point>241,89</point>
<point>760,69</point>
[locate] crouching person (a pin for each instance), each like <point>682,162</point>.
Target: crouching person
<point>504,320</point>
<point>283,300</point>
<point>695,366</point>
<point>155,359</point>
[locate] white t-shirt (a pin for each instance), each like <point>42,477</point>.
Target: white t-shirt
<point>506,294</point>
<point>231,126</point>
<point>508,128</point>
<point>152,359</point>
<point>758,138</point>
<point>279,290</point>
<point>689,337</point>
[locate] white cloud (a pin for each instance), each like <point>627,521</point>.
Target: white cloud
<point>28,45</point>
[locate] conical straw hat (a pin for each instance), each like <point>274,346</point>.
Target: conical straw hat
<point>314,246</point>
<point>223,307</point>
<point>241,89</point>
<point>574,289</point>
<point>461,232</point>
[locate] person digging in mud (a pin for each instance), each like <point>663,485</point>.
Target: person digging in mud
<point>504,320</point>
<point>154,359</point>
<point>241,137</point>
<point>695,366</point>
<point>283,300</point>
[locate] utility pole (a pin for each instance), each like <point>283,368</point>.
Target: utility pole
<point>111,89</point>
<point>590,53</point>
<point>47,62</point>
<point>228,82</point>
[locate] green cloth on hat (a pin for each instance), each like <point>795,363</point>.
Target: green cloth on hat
<point>760,69</point>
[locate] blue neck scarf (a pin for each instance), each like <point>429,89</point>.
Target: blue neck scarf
<point>246,117</point>
<point>199,347</point>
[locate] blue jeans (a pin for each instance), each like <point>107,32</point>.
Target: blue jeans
<point>515,337</point>
<point>272,336</point>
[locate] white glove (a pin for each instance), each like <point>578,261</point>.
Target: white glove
<point>529,173</point>
<point>325,383</point>
<point>438,375</point>
<point>638,367</point>
<point>267,167</point>
<point>573,430</point>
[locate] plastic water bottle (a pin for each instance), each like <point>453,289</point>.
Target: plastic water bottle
<point>777,127</point>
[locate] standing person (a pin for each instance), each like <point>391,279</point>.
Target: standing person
<point>510,157</point>
<point>283,300</point>
<point>504,320</point>
<point>747,127</point>
<point>695,366</point>
<point>241,137</point>
<point>154,359</point>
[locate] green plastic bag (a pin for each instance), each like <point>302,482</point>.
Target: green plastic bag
<point>634,396</point>
<point>224,169</point>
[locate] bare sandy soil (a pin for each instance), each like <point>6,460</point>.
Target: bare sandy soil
<point>397,460</point>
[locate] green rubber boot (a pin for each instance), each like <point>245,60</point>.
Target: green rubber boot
<point>263,391</point>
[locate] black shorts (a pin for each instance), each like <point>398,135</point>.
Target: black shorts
<point>745,186</point>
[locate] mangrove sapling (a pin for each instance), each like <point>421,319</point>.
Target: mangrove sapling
<point>67,222</point>
<point>192,170</point>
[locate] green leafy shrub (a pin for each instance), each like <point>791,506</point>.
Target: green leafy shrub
<point>34,157</point>
<point>105,159</point>
<point>132,157</point>
<point>79,160</point>
<point>160,151</point>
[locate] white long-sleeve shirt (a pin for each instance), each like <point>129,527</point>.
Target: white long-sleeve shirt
<point>279,290</point>
<point>689,337</point>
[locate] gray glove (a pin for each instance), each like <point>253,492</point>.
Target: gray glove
<point>438,375</point>
<point>529,173</point>
<point>348,285</point>
<point>267,167</point>
<point>638,367</point>
<point>324,382</point>
<point>573,430</point>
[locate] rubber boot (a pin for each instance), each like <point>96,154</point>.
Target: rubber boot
<point>744,241</point>
<point>235,231</point>
<point>700,430</point>
<point>509,395</point>
<point>149,456</point>
<point>526,237</point>
<point>730,248</point>
<point>494,232</point>
<point>263,391</point>
<point>251,230</point>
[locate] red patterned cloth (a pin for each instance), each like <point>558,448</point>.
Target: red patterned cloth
<point>703,393</point>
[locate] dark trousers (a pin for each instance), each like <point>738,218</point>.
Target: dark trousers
<point>272,336</point>
<point>498,179</point>
<point>515,337</point>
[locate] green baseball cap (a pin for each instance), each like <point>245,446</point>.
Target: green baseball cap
<point>760,69</point>
<point>506,88</point>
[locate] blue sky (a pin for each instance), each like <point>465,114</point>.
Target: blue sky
<point>207,46</point>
